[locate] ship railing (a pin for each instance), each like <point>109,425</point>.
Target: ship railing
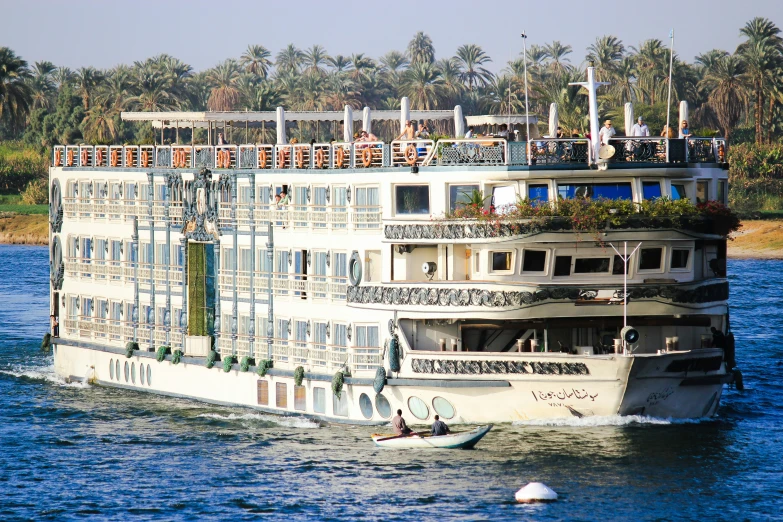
<point>474,151</point>
<point>640,149</point>
<point>365,357</point>
<point>101,156</point>
<point>702,150</point>
<point>225,157</point>
<point>412,152</point>
<point>368,155</point>
<point>159,336</point>
<point>243,346</point>
<point>265,156</point>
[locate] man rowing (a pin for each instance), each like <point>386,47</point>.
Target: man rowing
<point>400,428</point>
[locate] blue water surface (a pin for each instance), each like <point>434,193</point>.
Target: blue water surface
<point>73,451</point>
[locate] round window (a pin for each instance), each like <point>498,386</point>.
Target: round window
<point>443,407</point>
<point>149,375</point>
<point>355,269</point>
<point>383,406</point>
<point>418,408</point>
<point>117,369</point>
<point>111,369</point>
<point>365,404</point>
<point>127,371</point>
<point>141,374</point>
<point>133,373</point>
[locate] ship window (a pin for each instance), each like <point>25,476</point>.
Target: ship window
<point>702,191</point>
<point>300,398</point>
<point>443,407</point>
<point>412,199</point>
<point>365,405</point>
<point>650,258</point>
<point>461,195</point>
<point>722,192</point>
<point>562,265</point>
<point>319,400</point>
<point>340,404</point>
<point>281,395</point>
<point>617,266</point>
<point>262,392</point>
<point>149,375</point>
<point>141,374</point>
<point>501,261</point>
<point>418,408</point>
<point>383,406</point>
<point>538,194</point>
<point>534,261</point>
<point>117,369</point>
<point>651,189</point>
<point>678,192</point>
<point>133,373</point>
<point>111,369</point>
<point>127,371</point>
<point>595,191</point>
<point>591,265</point>
<point>503,199</point>
<point>680,258</point>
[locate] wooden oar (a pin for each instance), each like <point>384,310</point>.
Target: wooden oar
<point>397,436</point>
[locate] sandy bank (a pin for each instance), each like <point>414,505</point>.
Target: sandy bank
<point>22,229</point>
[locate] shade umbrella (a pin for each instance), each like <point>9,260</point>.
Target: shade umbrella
<point>405,112</point>
<point>553,120</point>
<point>281,137</point>
<point>348,126</point>
<point>683,114</point>
<point>459,122</point>
<point>367,120</point>
<point>628,118</point>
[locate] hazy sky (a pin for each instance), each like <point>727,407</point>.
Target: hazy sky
<point>78,33</point>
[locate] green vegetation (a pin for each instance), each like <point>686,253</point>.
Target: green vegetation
<point>197,296</point>
<point>756,179</point>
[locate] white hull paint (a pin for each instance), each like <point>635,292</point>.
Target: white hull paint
<point>606,391</point>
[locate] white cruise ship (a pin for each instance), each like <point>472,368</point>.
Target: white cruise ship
<point>372,285</point>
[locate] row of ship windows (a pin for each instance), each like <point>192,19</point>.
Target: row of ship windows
<point>538,262</point>
<point>145,372</point>
<point>368,407</point>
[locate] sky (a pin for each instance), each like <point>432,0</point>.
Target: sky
<point>102,34</point>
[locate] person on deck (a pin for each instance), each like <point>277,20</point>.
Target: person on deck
<point>640,128</point>
<point>407,133</point>
<point>469,134</point>
<point>606,133</point>
<point>439,427</point>
<point>423,133</point>
<point>400,428</point>
<point>685,132</point>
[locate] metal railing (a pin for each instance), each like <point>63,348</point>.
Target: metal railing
<point>490,151</point>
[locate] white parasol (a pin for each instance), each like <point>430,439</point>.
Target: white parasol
<point>348,125</point>
<point>459,122</point>
<point>553,120</point>
<point>628,118</point>
<point>367,120</point>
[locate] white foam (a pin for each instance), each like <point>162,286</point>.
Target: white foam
<point>289,422</point>
<point>42,373</point>
<point>608,420</point>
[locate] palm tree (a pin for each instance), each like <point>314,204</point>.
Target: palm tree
<point>289,59</point>
<point>652,69</point>
<point>98,125</point>
<point>87,79</point>
<point>423,86</point>
<point>223,78</point>
<point>502,96</point>
<point>420,49</point>
<point>339,63</point>
<point>61,77</point>
<point>313,60</point>
<point>453,88</point>
<point>710,58</point>
<point>150,92</point>
<point>556,56</point>
<point>113,92</point>
<point>42,85</point>
<point>605,55</point>
<point>256,60</point>
<point>470,59</point>
<point>361,66</point>
<point>724,79</point>
<point>15,93</point>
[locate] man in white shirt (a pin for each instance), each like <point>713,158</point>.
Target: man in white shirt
<point>606,133</point>
<point>469,134</point>
<point>640,128</point>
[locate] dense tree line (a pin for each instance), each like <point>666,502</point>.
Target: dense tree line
<point>45,104</point>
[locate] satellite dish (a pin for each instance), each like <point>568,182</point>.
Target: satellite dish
<point>630,335</point>
<point>606,152</point>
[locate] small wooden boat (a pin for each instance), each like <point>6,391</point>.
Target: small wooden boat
<point>461,440</point>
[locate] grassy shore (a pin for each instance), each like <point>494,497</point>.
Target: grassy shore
<point>24,229</point>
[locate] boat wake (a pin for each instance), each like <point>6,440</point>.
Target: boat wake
<point>608,420</point>
<point>288,422</point>
<point>43,374</point>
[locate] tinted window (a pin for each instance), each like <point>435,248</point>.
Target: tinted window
<point>596,191</point>
<point>650,259</point>
<point>534,261</point>
<point>722,192</point>
<point>591,265</point>
<point>617,266</point>
<point>651,189</point>
<point>412,199</point>
<point>319,400</point>
<point>701,191</point>
<point>678,192</point>
<point>562,265</point>
<point>459,195</point>
<point>501,261</point>
<point>538,193</point>
<point>680,258</point>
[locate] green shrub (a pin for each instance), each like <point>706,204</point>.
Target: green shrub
<point>36,193</point>
<point>176,357</point>
<point>228,362</point>
<point>263,366</point>
<point>298,375</point>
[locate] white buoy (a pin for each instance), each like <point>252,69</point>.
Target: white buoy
<point>536,492</point>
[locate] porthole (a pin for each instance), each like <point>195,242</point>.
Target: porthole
<point>117,369</point>
<point>111,369</point>
<point>382,406</point>
<point>365,404</point>
<point>127,371</point>
<point>149,375</point>
<point>418,408</point>
<point>133,373</point>
<point>355,269</point>
<point>141,374</point>
<point>443,407</point>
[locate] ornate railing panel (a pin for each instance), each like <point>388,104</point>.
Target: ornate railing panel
<point>559,151</point>
<point>701,150</point>
<point>472,152</point>
<point>642,150</point>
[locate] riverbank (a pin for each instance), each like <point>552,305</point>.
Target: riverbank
<point>755,240</point>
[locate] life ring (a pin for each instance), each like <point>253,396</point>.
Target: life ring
<point>355,268</point>
<point>300,159</point>
<point>221,159</point>
<point>129,158</point>
<point>319,158</point>
<point>340,157</point>
<point>411,155</point>
<point>57,157</point>
<point>262,159</point>
<point>367,157</point>
<point>721,153</point>
<point>114,158</point>
<point>98,157</point>
<point>84,157</point>
<point>145,159</point>
<point>281,159</point>
<point>69,158</point>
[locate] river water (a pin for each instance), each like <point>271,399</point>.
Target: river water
<point>77,451</point>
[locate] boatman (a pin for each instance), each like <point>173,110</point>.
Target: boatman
<point>439,427</point>
<point>400,428</point>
